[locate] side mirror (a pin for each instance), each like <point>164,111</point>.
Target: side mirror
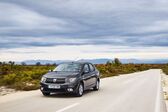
<point>50,70</point>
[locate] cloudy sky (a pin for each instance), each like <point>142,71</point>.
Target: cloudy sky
<point>75,29</point>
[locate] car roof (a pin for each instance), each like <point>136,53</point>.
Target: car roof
<point>78,62</point>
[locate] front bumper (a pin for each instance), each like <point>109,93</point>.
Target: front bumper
<point>64,88</point>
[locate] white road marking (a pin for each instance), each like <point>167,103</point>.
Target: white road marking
<point>68,107</point>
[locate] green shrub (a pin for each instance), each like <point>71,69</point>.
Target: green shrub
<point>27,77</point>
<point>9,79</point>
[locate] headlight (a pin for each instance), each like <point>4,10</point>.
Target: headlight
<point>43,79</point>
<point>72,80</point>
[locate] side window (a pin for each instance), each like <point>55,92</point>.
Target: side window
<point>91,67</point>
<point>86,68</point>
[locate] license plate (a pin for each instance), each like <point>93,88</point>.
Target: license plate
<point>54,86</point>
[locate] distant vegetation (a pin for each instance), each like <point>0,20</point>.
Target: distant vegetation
<point>27,77</point>
<point>115,68</point>
<point>22,77</point>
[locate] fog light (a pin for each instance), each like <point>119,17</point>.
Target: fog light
<point>42,88</point>
<point>70,89</point>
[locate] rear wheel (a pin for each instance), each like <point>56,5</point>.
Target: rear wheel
<point>46,93</point>
<point>80,90</point>
<point>96,88</point>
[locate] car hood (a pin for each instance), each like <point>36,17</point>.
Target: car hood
<point>61,74</point>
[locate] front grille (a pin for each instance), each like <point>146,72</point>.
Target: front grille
<point>58,80</point>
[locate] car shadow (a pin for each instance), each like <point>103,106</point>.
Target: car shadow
<point>69,95</point>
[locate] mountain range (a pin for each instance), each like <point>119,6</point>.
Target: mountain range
<point>100,61</point>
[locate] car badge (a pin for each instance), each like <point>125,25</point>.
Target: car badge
<point>54,80</point>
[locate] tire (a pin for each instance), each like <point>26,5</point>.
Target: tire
<point>96,88</point>
<point>46,93</point>
<point>80,90</point>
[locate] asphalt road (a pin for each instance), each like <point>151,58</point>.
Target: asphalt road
<point>137,92</point>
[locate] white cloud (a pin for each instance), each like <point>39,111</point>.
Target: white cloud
<point>17,17</point>
<point>64,24</point>
<point>85,51</point>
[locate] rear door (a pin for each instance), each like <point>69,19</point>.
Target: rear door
<point>92,75</point>
<point>87,76</point>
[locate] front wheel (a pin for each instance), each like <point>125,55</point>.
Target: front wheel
<point>96,88</point>
<point>80,90</point>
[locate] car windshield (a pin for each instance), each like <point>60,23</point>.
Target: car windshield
<point>68,67</point>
